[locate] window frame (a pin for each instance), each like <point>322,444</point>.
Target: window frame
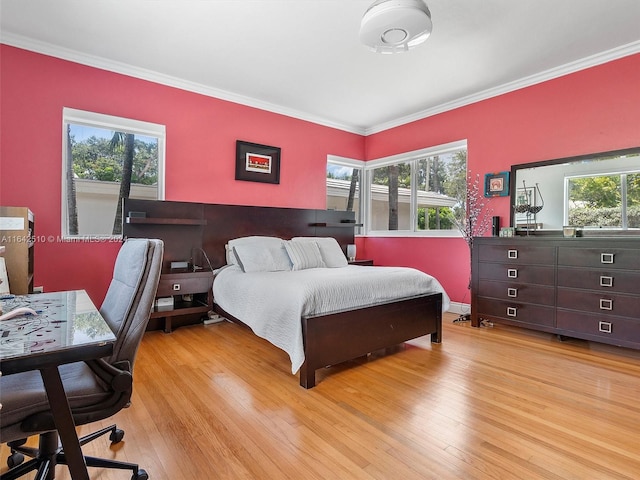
<point>411,157</point>
<point>117,124</point>
<point>360,165</point>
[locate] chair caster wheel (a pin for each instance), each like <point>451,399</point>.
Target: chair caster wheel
<point>116,435</point>
<point>15,459</point>
<point>140,475</point>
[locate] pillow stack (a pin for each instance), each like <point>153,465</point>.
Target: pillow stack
<point>272,254</point>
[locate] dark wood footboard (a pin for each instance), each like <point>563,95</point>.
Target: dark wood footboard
<point>337,337</point>
<point>333,338</point>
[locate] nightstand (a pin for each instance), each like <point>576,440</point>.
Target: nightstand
<point>191,293</point>
<point>361,262</point>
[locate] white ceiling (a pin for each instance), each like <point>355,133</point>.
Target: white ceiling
<point>303,58</point>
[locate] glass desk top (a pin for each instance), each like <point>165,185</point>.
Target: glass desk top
<point>64,321</point>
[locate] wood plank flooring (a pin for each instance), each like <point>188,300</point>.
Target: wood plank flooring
<point>217,402</point>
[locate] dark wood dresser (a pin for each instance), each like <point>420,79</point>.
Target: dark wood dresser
<point>586,288</point>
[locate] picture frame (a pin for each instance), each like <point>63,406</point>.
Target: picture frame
<point>257,163</point>
<point>496,184</point>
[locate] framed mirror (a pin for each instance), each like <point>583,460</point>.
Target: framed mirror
<point>596,193</point>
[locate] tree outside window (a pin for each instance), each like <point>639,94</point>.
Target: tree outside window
<point>103,165</point>
<point>604,201</point>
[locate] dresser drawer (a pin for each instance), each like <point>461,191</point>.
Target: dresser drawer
<point>539,275</point>
<point>609,258</point>
<point>517,312</point>
<point>184,284</point>
<point>609,280</point>
<point>610,328</point>
<point>517,253</point>
<point>518,292</point>
<point>599,302</point>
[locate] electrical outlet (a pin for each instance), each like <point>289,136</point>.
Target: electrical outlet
<point>39,289</point>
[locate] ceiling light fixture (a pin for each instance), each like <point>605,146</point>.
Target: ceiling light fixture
<point>394,26</point>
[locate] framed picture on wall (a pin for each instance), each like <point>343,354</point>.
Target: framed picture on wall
<point>257,163</point>
<point>496,184</point>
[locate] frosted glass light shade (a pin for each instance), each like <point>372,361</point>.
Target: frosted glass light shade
<point>351,252</point>
<point>395,26</point>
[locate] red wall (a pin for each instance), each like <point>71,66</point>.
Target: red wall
<point>200,157</point>
<point>589,111</point>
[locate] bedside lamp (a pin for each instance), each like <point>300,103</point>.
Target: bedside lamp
<point>351,252</point>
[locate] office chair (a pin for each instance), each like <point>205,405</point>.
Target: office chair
<point>96,389</point>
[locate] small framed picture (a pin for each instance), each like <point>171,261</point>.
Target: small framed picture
<point>496,184</point>
<point>257,163</point>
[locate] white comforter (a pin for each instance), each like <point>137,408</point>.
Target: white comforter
<point>272,303</point>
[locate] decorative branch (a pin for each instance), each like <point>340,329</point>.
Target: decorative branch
<point>477,215</point>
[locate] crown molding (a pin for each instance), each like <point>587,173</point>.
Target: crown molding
<point>156,77</point>
<point>152,76</point>
<point>572,67</point>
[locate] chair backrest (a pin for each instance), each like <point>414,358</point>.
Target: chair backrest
<point>129,299</point>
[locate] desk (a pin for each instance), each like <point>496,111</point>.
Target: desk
<point>67,329</point>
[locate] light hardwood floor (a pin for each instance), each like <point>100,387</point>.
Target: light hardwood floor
<point>216,402</point>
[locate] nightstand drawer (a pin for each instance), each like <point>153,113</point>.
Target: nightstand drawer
<point>184,283</point>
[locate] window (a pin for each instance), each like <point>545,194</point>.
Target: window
<point>421,191</point>
<point>344,178</point>
<point>610,200</point>
<point>106,159</point>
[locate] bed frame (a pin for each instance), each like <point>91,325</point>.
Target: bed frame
<point>334,338</point>
<point>328,339</point>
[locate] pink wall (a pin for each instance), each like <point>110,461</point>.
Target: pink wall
<point>200,161</point>
<point>589,111</point>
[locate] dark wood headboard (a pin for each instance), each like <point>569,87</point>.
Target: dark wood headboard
<point>188,228</point>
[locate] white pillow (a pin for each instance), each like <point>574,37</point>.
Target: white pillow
<point>332,254</point>
<point>257,257</point>
<point>256,239</point>
<point>304,255</point>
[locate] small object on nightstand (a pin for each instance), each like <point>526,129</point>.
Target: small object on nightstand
<point>164,303</point>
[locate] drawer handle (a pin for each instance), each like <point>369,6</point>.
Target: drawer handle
<point>512,273</point>
<point>176,287</point>
<point>512,253</point>
<point>606,304</point>
<point>606,258</point>
<point>606,281</point>
<point>605,327</point>
<point>512,312</point>
<point>512,292</point>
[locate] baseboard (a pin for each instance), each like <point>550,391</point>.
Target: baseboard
<point>459,308</point>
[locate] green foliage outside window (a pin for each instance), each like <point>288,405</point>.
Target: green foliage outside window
<point>102,159</point>
<point>598,200</point>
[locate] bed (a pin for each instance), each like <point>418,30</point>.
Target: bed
<point>302,296</point>
<point>202,232</point>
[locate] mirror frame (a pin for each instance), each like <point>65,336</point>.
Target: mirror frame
<point>556,161</point>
